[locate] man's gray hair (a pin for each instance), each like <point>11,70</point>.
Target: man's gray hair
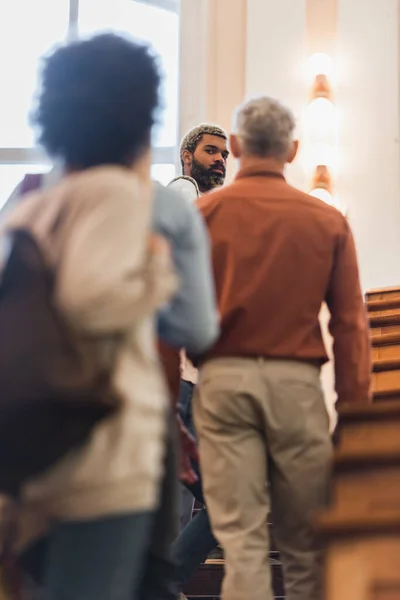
<point>265,128</point>
<point>194,136</point>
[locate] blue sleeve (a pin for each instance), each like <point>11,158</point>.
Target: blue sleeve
<point>190,321</point>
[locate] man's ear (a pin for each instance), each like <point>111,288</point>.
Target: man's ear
<point>293,151</point>
<point>187,157</point>
<point>235,146</point>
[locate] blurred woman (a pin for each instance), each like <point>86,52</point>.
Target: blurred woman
<point>86,527</point>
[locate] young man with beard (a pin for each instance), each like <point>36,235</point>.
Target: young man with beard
<point>204,154</point>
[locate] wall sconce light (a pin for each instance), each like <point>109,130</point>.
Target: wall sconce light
<point>321,88</point>
<point>322,184</point>
<point>320,64</point>
<point>321,128</point>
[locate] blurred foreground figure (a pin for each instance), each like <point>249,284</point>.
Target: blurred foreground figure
<point>259,410</point>
<point>97,524</point>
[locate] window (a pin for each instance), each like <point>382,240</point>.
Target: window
<point>24,37</point>
<point>28,30</point>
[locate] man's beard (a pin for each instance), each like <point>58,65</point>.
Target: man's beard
<point>207,179</point>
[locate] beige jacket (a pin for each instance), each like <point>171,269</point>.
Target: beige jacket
<point>106,280</point>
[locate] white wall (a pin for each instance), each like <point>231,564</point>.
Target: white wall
<point>276,55</point>
<point>368,97</point>
<point>368,100</point>
<point>276,46</point>
<point>213,51</point>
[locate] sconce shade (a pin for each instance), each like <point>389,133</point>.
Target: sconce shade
<point>322,178</point>
<point>321,88</point>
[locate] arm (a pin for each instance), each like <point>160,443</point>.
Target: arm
<point>191,320</point>
<point>109,277</point>
<point>348,325</point>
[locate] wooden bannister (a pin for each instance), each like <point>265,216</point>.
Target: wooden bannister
<point>362,526</point>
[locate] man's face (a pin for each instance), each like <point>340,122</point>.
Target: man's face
<point>208,162</point>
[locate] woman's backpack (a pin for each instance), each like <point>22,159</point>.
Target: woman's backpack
<point>52,387</point>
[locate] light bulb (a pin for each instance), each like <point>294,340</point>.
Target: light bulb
<point>320,64</point>
<point>322,194</point>
<point>322,153</point>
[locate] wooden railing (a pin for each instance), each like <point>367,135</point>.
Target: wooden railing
<point>362,527</point>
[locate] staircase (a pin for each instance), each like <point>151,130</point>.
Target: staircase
<point>362,527</point>
<point>207,581</point>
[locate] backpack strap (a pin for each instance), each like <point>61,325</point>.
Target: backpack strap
<point>187,179</point>
<point>31,182</point>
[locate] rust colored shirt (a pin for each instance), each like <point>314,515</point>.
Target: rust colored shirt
<point>278,254</point>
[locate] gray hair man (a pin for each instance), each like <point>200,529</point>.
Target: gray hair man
<point>259,410</point>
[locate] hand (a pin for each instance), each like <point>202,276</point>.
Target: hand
<point>188,450</point>
<point>159,245</point>
<point>182,363</point>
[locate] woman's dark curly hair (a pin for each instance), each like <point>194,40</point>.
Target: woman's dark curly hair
<point>98,101</point>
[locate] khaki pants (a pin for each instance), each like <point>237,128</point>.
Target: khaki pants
<point>262,420</point>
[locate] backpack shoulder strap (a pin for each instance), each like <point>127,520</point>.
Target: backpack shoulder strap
<point>187,178</point>
<point>31,182</point>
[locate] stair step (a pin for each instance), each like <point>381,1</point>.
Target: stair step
<point>385,339</point>
<point>206,582</point>
<point>388,329</point>
<point>336,524</point>
<point>366,458</point>
<point>367,491</point>
<point>385,383</point>
<point>387,395</point>
<point>381,365</point>
<point>384,320</point>
<point>368,412</point>
<point>384,304</point>
<point>375,426</point>
<point>381,293</point>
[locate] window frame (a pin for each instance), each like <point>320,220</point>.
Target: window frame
<point>35,155</point>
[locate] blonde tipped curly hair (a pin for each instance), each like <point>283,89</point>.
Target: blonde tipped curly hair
<point>194,136</point>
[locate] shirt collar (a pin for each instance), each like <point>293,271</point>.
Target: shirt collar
<point>257,172</point>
